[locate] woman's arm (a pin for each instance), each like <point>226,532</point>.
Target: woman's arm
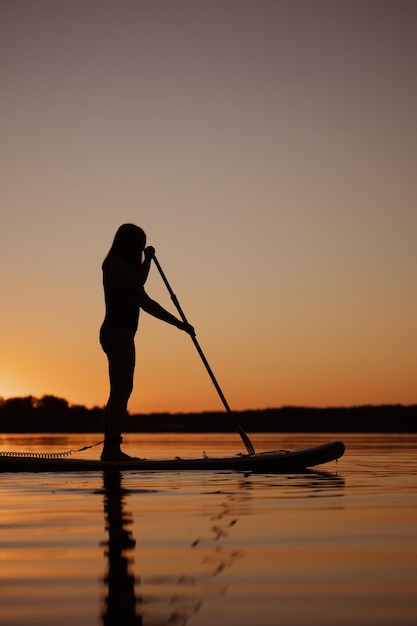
<point>118,272</point>
<point>156,310</point>
<point>145,266</point>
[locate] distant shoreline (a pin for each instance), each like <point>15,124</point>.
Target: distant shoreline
<point>56,415</point>
<point>379,419</point>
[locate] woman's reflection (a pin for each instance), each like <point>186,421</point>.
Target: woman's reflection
<point>120,602</point>
<point>178,596</point>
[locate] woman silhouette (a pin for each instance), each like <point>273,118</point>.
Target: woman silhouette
<point>125,270</point>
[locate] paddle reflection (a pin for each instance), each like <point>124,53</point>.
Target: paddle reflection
<point>170,598</point>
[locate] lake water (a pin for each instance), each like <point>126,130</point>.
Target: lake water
<point>333,547</point>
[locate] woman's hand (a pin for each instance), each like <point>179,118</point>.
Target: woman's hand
<point>185,326</point>
<point>149,253</point>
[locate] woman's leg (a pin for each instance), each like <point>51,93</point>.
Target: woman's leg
<point>120,349</point>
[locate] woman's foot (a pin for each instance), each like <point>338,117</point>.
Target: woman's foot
<point>113,453</point>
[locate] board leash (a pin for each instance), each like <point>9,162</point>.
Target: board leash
<point>46,455</point>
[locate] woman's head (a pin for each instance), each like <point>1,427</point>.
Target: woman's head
<point>129,243</point>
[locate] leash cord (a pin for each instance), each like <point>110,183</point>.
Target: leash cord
<point>46,455</point>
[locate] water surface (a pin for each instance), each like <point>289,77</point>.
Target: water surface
<point>337,546</point>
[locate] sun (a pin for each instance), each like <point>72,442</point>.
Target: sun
<point>9,388</point>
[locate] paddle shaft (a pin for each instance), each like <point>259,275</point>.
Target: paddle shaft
<point>174,298</point>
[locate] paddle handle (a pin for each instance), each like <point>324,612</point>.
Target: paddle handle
<point>242,433</point>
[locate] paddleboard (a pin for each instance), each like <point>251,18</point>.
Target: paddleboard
<point>278,461</point>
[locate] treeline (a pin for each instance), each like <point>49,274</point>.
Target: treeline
<point>56,415</point>
<point>48,414</point>
<point>361,419</point>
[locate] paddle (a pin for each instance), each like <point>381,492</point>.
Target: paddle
<point>239,429</point>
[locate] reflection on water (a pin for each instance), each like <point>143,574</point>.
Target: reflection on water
<point>175,598</point>
<point>324,548</point>
<point>125,602</point>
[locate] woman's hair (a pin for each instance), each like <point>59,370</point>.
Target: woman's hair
<point>129,243</point>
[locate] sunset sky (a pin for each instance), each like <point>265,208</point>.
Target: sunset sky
<point>267,147</point>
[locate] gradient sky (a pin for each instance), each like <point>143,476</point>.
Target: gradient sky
<point>268,149</point>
